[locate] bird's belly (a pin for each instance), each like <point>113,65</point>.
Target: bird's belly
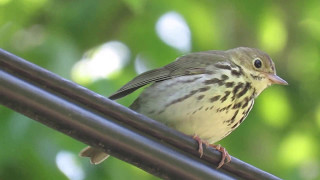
<point>208,121</point>
<point>210,112</point>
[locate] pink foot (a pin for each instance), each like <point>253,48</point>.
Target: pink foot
<point>200,142</point>
<point>224,154</point>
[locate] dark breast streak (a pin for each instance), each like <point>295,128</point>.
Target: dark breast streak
<point>235,71</point>
<point>245,111</point>
<point>241,105</point>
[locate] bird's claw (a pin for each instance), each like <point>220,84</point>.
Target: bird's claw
<point>224,153</point>
<point>200,142</point>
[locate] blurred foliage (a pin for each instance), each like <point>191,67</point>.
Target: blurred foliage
<point>281,134</point>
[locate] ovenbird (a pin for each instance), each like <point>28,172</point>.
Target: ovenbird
<point>206,95</point>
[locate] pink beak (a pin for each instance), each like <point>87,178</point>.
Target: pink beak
<point>274,79</point>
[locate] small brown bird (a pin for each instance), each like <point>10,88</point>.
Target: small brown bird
<point>206,95</point>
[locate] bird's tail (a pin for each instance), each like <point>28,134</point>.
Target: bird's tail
<point>96,156</point>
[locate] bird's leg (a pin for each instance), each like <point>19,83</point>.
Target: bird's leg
<point>224,154</point>
<point>200,142</point>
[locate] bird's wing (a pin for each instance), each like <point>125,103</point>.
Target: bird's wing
<point>194,63</point>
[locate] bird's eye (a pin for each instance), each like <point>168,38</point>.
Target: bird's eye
<point>257,63</point>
